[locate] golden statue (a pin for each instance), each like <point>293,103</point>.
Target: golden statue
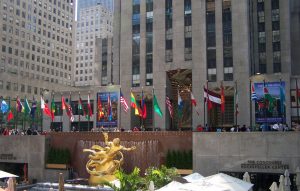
<point>104,162</point>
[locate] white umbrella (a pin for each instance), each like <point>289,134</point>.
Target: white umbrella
<point>298,178</point>
<point>281,183</point>
<point>274,187</point>
<point>195,186</point>
<point>195,177</point>
<point>4,174</point>
<point>246,178</point>
<point>172,186</point>
<point>228,182</point>
<point>287,181</point>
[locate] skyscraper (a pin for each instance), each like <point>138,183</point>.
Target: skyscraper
<point>36,46</point>
<point>81,4</point>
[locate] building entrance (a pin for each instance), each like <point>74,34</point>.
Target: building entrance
<point>178,90</point>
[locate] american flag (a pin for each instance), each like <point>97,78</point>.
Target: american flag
<point>170,107</point>
<point>253,93</point>
<point>123,102</point>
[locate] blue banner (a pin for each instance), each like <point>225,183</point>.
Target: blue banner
<point>107,109</point>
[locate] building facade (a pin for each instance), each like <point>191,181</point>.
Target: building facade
<point>82,4</point>
<point>94,22</point>
<point>36,46</point>
<point>177,47</point>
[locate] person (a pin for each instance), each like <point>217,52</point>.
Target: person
<point>243,129</point>
<point>206,127</point>
<point>232,129</point>
<point>199,128</point>
<point>275,127</point>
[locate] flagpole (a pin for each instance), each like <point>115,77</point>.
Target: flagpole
<point>208,111</point>
<point>52,118</point>
<point>142,108</point>
<point>62,113</point>
<point>24,115</point>
<point>89,113</point>
<point>281,104</point>
<point>235,106</point>
<point>153,114</point>
<point>178,115</point>
<point>79,113</point>
<point>70,122</point>
<point>17,118</point>
<point>119,113</point>
<point>204,105</point>
<point>41,114</point>
<point>222,113</point>
<point>250,103</point>
<point>297,100</point>
<point>1,99</point>
<point>8,107</point>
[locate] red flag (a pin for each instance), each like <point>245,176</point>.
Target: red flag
<point>170,107</point>
<point>10,116</point>
<point>193,100</point>
<point>207,99</point>
<point>143,107</point>
<point>63,103</point>
<point>46,109</point>
<point>222,99</point>
<point>69,112</point>
<point>100,111</point>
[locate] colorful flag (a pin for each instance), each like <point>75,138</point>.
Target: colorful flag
<point>156,106</point>
<point>213,97</point>
<point>45,108</point>
<point>4,106</point>
<point>253,93</point>
<point>70,112</point>
<point>236,102</point>
<point>19,105</point>
<point>27,108</point>
<point>134,104</point>
<point>269,99</point>
<point>63,103</point>
<point>33,108</point>
<point>52,107</point>
<point>170,107</point>
<point>180,105</point>
<point>143,107</point>
<point>90,111</point>
<point>9,116</point>
<point>193,100</point>
<point>282,99</point>
<point>222,99</point>
<point>80,107</point>
<point>123,102</point>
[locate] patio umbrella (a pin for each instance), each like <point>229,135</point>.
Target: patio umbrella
<point>287,181</point>
<point>195,186</point>
<point>281,183</point>
<point>4,174</point>
<point>274,187</point>
<point>298,178</point>
<point>246,178</point>
<point>228,182</point>
<point>195,177</point>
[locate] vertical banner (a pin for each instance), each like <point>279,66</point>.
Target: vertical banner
<point>107,109</point>
<point>270,104</point>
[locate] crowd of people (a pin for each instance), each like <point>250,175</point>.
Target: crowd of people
<point>6,131</point>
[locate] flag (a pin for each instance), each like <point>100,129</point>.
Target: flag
<point>270,100</point>
<point>109,108</point>
<point>134,104</point>
<point>143,107</point>
<point>193,100</point>
<point>253,93</point>
<point>4,106</point>
<point>170,107</point>
<point>27,109</point>
<point>222,99</point>
<point>123,102</point>
<point>90,111</point>
<point>236,102</point>
<point>180,104</point>
<point>69,112</point>
<point>80,107</point>
<point>33,108</point>
<point>156,106</point>
<point>208,98</point>
<point>282,99</point>
<point>63,103</point>
<point>19,105</point>
<point>99,108</point>
<point>298,93</point>
<point>9,116</point>
<point>45,108</point>
<point>213,97</point>
<point>52,107</point>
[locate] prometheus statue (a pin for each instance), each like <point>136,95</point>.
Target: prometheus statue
<point>104,162</point>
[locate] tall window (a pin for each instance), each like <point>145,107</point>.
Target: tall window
<point>227,41</point>
<point>104,63</point>
<point>211,40</point>
<point>136,36</point>
<point>276,36</point>
<point>169,30</point>
<point>187,30</point>
<point>149,42</point>
<point>261,36</point>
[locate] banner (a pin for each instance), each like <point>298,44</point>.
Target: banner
<point>109,113</point>
<point>270,104</point>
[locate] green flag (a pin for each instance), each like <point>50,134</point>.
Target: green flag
<point>156,106</point>
<point>270,99</point>
<point>27,109</point>
<point>52,106</point>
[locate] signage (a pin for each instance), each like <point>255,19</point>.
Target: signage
<point>275,165</point>
<point>7,157</point>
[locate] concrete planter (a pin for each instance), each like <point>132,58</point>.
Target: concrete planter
<point>57,166</point>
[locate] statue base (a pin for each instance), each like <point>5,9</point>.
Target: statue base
<point>99,180</point>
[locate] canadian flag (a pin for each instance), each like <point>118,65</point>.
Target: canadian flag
<point>46,109</point>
